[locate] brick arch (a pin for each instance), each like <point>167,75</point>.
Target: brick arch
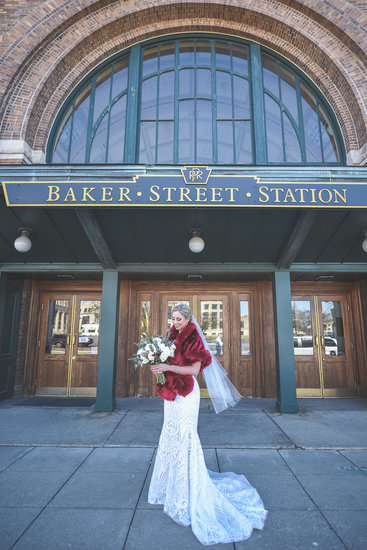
<point>54,67</point>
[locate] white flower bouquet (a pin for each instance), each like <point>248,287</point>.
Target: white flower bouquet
<point>153,350</point>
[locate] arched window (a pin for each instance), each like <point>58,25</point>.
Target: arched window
<point>196,100</point>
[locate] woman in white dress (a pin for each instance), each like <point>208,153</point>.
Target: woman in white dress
<point>220,507</point>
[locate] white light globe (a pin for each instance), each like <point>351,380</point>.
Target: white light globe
<point>196,244</point>
<point>364,245</point>
<point>23,243</point>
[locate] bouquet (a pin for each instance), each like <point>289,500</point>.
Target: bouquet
<point>153,350</point>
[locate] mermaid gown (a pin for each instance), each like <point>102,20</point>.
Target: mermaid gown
<point>221,507</point>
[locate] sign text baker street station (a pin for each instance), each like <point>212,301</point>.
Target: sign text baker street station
<point>195,186</point>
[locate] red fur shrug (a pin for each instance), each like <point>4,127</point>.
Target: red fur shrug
<point>189,349</point>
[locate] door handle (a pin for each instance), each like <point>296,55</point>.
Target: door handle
<point>74,339</point>
<point>68,340</point>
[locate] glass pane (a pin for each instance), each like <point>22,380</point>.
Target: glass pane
<point>165,142</point>
<point>241,98</point>
<point>62,141</point>
<point>211,322</point>
<point>245,328</point>
<point>332,326</point>
<point>328,138</point>
<point>186,83</point>
<point>302,327</point>
<point>102,93</point>
<point>311,125</point>
<point>273,130</point>
<point>150,60</point>
<point>203,52</point>
<point>167,56</point>
<point>80,125</point>
<point>292,147</point>
<point>144,318</point>
<point>149,99</point>
<point>186,145</point>
<point>243,142</point>
<point>166,96</point>
<point>117,131</point>
<point>270,75</point>
<point>203,83</point>
<point>89,316</point>
<point>147,142</point>
<point>99,145</point>
<point>289,94</point>
<point>57,327</point>
<point>204,131</point>
<point>225,142</point>
<point>120,74</point>
<point>186,53</point>
<point>224,95</point>
<point>239,59</point>
<point>171,304</point>
<point>223,55</point>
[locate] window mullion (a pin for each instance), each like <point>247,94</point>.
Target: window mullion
<point>71,131</point>
<point>176,108</point>
<point>214,105</point>
<point>301,127</point>
<point>90,134</point>
<point>258,103</point>
<point>132,122</point>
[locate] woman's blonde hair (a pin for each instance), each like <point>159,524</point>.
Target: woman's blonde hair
<point>184,309</point>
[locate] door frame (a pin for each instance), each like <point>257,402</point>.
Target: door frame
<point>261,365</point>
<point>34,319</point>
<point>351,315</point>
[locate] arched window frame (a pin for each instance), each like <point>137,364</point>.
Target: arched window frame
<point>257,94</point>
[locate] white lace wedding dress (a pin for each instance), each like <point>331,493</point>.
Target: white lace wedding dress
<point>221,507</point>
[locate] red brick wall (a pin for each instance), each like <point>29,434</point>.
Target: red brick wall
<point>47,47</point>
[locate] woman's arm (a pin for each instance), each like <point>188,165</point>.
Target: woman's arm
<point>163,367</point>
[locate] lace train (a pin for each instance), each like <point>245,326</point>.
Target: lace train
<point>221,507</point>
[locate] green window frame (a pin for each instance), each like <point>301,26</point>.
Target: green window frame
<point>196,99</point>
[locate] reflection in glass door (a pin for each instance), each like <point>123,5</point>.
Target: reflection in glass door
<point>68,345</point>
<point>322,347</point>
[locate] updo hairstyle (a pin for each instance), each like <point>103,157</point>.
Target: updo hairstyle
<point>184,309</point>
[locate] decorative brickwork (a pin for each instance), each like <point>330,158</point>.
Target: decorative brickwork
<point>48,47</point>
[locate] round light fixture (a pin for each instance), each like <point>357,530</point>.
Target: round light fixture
<point>364,242</point>
<point>196,243</point>
<point>23,243</point>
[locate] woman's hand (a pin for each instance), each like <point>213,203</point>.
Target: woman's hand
<point>161,367</point>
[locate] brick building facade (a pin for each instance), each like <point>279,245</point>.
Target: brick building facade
<point>48,48</point>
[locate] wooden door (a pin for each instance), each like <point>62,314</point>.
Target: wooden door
<point>54,344</point>
<point>213,316</point>
<point>322,337</point>
<point>68,344</point>
<point>211,311</point>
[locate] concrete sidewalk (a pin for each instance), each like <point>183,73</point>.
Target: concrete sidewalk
<point>71,478</point>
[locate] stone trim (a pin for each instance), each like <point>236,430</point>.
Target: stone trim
<point>18,151</point>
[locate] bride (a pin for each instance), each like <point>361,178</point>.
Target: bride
<point>221,507</point>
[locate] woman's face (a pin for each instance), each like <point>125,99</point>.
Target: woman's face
<point>179,321</point>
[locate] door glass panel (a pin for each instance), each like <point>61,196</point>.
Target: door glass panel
<point>211,322</point>
<point>245,331</point>
<point>171,304</point>
<point>144,317</point>
<point>332,326</point>
<point>302,327</point>
<point>57,327</point>
<point>89,316</point>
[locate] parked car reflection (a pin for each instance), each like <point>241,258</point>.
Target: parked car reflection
<point>303,345</point>
<point>59,341</point>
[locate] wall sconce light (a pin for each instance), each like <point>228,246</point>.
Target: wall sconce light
<point>196,243</point>
<point>23,243</point>
<point>364,242</point>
